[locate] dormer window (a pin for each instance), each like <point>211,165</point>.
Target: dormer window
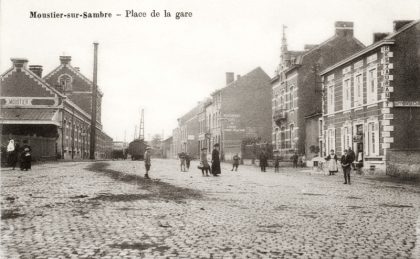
<point>65,82</point>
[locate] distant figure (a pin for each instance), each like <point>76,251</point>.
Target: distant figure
<point>352,157</point>
<point>26,156</point>
<point>295,160</point>
<point>215,160</point>
<point>204,164</point>
<point>147,162</point>
<point>346,164</point>
<point>182,161</point>
<point>12,154</point>
<point>332,162</point>
<point>187,161</point>
<point>235,163</point>
<point>276,162</point>
<point>263,160</point>
<point>303,161</point>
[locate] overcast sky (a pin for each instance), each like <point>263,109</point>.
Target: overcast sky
<point>166,65</point>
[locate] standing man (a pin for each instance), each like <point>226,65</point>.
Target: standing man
<point>26,156</point>
<point>263,160</point>
<point>235,159</point>
<point>187,161</point>
<point>295,158</point>
<point>182,161</point>
<point>352,157</point>
<point>276,161</point>
<point>215,160</point>
<point>346,163</point>
<point>147,162</point>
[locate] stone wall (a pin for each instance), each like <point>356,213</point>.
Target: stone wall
<point>403,163</point>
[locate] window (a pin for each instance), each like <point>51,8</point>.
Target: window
<point>330,96</point>
<point>291,97</point>
<point>291,135</point>
<point>358,90</point>
<point>65,82</point>
<point>282,99</point>
<point>283,137</point>
<point>346,94</point>
<point>331,139</point>
<point>346,137</point>
<point>372,86</point>
<point>373,138</point>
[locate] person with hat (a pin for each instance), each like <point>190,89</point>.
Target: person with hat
<point>204,164</point>
<point>346,161</point>
<point>147,162</point>
<point>276,161</point>
<point>235,163</point>
<point>215,160</point>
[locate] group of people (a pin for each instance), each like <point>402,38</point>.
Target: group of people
<point>346,161</point>
<point>205,167</point>
<point>17,154</point>
<point>185,160</point>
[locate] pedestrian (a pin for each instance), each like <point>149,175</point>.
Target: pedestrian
<point>215,160</point>
<point>182,161</point>
<point>346,164</point>
<point>332,162</point>
<point>12,153</point>
<point>26,156</point>
<point>303,161</point>
<point>276,161</point>
<point>204,164</point>
<point>187,161</point>
<point>147,162</point>
<point>263,160</point>
<point>235,163</point>
<point>295,160</point>
<point>352,156</point>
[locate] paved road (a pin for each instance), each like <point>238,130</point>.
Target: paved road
<point>105,210</point>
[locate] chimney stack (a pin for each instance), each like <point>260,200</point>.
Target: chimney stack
<point>36,69</point>
<point>230,77</point>
<point>19,63</point>
<point>343,28</point>
<point>65,60</point>
<point>400,23</point>
<point>378,36</point>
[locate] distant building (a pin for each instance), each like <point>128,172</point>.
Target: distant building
<point>238,111</point>
<point>296,103</point>
<point>167,148</point>
<point>186,135</point>
<point>33,109</point>
<point>372,102</point>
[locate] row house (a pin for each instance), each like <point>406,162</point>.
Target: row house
<point>238,111</point>
<point>185,136</point>
<point>296,90</point>
<point>50,112</point>
<point>372,102</point>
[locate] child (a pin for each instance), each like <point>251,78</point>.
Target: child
<point>276,161</point>
<point>235,164</point>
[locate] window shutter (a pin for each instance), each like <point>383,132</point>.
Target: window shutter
<point>365,139</point>
<point>343,139</point>
<point>333,141</point>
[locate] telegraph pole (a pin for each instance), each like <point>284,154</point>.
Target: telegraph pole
<point>94,96</point>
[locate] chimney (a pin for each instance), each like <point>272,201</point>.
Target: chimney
<point>36,69</point>
<point>400,23</point>
<point>344,28</point>
<point>378,36</point>
<point>238,77</point>
<point>65,60</point>
<point>19,63</point>
<point>230,77</point>
<point>77,69</point>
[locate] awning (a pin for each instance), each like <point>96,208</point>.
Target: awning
<point>29,116</point>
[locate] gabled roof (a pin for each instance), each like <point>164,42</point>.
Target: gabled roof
<point>35,77</point>
<point>387,40</point>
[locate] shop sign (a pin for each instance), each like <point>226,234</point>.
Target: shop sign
<point>407,103</point>
<point>22,101</point>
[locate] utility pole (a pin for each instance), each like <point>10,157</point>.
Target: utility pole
<point>141,130</point>
<point>94,96</point>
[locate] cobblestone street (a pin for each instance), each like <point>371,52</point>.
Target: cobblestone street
<point>107,210</point>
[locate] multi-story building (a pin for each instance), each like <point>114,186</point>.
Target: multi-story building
<point>45,114</point>
<point>185,136</point>
<point>372,102</point>
<point>297,91</point>
<point>237,111</point>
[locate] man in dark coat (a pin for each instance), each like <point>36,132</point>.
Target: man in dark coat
<point>346,163</point>
<point>263,160</point>
<point>26,156</point>
<point>352,157</point>
<point>235,163</point>
<point>215,160</point>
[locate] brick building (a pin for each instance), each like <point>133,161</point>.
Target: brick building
<point>372,102</point>
<point>297,90</point>
<point>45,115</point>
<point>235,112</point>
<point>185,136</point>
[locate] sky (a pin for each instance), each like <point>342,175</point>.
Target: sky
<point>167,65</point>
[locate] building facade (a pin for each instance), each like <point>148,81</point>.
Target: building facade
<point>372,102</point>
<point>238,111</point>
<point>44,115</point>
<point>185,136</point>
<point>297,90</point>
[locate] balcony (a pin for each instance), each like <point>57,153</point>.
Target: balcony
<point>279,116</point>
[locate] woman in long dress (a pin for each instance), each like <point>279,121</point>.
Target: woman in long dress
<point>332,162</point>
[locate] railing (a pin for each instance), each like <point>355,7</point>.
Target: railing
<point>279,116</point>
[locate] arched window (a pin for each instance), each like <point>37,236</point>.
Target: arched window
<point>65,82</point>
